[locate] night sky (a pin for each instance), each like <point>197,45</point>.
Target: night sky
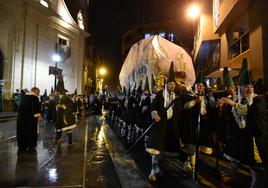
<point>106,27</point>
<point>110,19</point>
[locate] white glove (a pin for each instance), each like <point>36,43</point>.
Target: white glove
<point>144,109</point>
<point>155,116</point>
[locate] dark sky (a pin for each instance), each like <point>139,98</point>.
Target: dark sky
<point>105,25</point>
<point>110,19</point>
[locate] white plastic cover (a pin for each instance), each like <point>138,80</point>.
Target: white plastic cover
<point>153,56</point>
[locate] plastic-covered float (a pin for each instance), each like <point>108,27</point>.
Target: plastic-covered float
<point>154,56</point>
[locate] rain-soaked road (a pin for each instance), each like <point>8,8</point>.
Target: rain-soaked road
<point>87,163</point>
<point>97,158</point>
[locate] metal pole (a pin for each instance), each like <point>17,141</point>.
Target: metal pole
<point>55,81</point>
<point>197,146</point>
<point>139,139</point>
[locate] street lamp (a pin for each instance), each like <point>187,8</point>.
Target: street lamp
<point>102,71</point>
<point>56,58</point>
<point>194,11</point>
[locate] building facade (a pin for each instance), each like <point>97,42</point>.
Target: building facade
<point>32,31</point>
<point>241,26</point>
<point>206,41</point>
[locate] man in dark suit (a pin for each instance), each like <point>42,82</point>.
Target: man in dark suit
<point>29,113</point>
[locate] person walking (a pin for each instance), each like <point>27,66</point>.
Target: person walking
<point>66,120</point>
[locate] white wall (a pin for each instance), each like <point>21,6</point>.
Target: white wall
<point>32,46</point>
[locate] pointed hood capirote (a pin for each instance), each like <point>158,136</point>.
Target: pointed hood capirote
<point>199,78</point>
<point>124,91</point>
<point>45,93</point>
<point>129,90</point>
<point>60,85</point>
<point>146,85</point>
<point>227,79</point>
<point>244,75</point>
<point>134,89</point>
<point>51,91</point>
<point>139,90</point>
<point>171,74</point>
<point>153,82</point>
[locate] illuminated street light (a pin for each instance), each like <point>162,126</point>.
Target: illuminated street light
<point>194,11</point>
<point>56,58</point>
<point>102,71</point>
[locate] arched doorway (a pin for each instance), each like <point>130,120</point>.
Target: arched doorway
<point>1,80</point>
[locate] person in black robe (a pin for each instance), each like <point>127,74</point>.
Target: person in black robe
<point>51,111</point>
<point>255,122</point>
<point>29,113</point>
<point>164,137</point>
<point>199,107</point>
<point>97,106</point>
<point>145,107</point>
<point>66,119</point>
<point>236,142</point>
<point>131,109</point>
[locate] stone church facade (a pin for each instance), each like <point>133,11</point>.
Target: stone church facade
<point>31,32</point>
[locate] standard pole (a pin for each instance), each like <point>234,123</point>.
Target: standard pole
<point>150,127</point>
<point>197,146</point>
<point>55,73</point>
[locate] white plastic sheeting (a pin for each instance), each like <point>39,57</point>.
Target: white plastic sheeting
<point>153,56</point>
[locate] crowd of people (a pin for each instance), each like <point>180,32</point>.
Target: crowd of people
<point>232,121</point>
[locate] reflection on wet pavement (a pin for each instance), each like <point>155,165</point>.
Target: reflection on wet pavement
<point>82,164</point>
